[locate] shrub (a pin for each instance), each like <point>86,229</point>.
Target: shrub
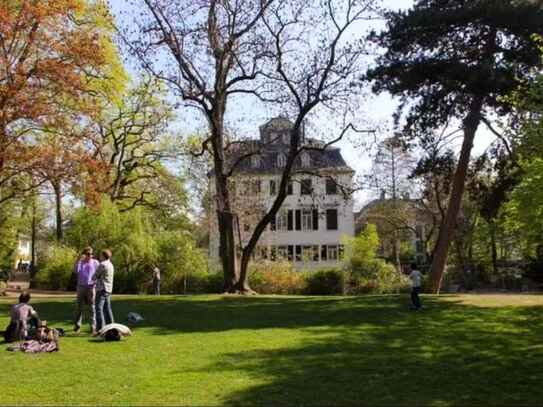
<point>56,270</point>
<point>325,282</point>
<point>276,278</point>
<point>195,283</point>
<point>379,277</point>
<point>137,243</point>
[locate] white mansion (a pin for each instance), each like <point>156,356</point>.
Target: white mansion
<point>317,212</point>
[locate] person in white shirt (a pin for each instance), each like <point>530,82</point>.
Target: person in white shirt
<point>156,280</point>
<point>416,284</point>
<point>104,289</point>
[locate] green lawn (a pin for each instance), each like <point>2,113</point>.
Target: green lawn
<point>292,351</point>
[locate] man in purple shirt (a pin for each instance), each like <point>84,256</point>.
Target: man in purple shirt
<point>85,268</point>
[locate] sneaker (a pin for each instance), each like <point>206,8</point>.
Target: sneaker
<point>77,329</point>
<point>94,332</point>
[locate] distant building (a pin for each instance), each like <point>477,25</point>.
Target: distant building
<point>317,212</point>
<point>413,222</point>
<point>23,253</point>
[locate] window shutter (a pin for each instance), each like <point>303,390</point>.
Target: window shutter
<point>298,219</point>
<point>331,219</point>
<point>273,186</point>
<point>324,256</point>
<point>290,221</point>
<point>315,219</point>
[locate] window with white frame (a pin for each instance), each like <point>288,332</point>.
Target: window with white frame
<point>281,160</point>
<point>306,187</point>
<point>307,220</point>
<point>307,253</point>
<point>331,186</point>
<point>332,252</point>
<point>306,160</point>
<point>281,223</point>
<point>255,161</point>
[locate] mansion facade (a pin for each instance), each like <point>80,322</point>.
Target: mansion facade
<point>317,212</point>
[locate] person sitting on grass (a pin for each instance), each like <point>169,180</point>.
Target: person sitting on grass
<point>416,284</point>
<point>23,317</point>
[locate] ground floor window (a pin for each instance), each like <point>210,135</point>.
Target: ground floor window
<point>332,252</point>
<point>299,253</point>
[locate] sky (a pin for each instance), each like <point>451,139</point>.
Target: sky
<point>376,109</point>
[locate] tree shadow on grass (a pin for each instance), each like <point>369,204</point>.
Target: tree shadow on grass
<point>450,354</point>
<point>359,351</point>
<point>176,314</point>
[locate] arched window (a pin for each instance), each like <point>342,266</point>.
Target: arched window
<point>306,160</point>
<point>281,160</point>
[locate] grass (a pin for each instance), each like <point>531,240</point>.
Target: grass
<point>291,351</point>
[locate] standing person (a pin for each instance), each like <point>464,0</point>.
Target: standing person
<point>156,280</point>
<point>85,268</point>
<point>416,284</point>
<point>104,288</point>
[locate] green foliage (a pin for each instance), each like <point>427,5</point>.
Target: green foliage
<point>200,282</point>
<point>366,272</point>
<point>361,251</point>
<point>525,209</point>
<point>276,278</point>
<point>325,282</point>
<point>137,243</point>
<point>379,278</point>
<point>427,46</point>
<point>56,268</point>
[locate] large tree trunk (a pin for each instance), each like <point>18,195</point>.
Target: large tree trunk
<point>57,188</point>
<point>242,285</point>
<point>471,123</point>
<point>33,239</point>
<point>225,216</point>
<point>492,227</point>
<point>227,249</point>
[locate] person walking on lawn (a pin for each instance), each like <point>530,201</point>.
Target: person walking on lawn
<point>85,268</point>
<point>416,284</point>
<point>104,288</point>
<point>156,280</point>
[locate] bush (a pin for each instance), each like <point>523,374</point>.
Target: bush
<point>378,278</point>
<point>195,283</point>
<point>276,278</point>
<point>138,243</point>
<point>56,270</point>
<point>325,282</point>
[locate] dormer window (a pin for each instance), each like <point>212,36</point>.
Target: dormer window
<point>281,161</point>
<point>306,160</point>
<point>255,161</point>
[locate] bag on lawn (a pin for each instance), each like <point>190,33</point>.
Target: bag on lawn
<point>114,332</point>
<point>134,318</point>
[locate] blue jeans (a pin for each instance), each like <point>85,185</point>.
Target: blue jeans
<point>156,286</point>
<point>103,309</point>
<point>415,299</point>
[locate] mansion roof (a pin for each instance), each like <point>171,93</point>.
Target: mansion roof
<point>266,155</point>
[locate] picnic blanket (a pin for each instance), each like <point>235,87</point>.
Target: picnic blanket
<point>34,346</point>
